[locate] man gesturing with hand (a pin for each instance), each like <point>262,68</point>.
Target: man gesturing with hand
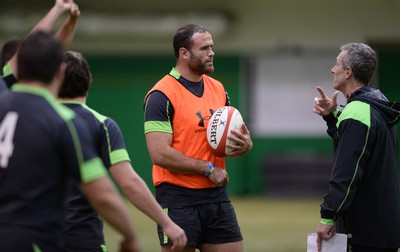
<point>363,200</point>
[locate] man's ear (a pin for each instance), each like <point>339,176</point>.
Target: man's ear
<point>184,53</point>
<point>349,72</point>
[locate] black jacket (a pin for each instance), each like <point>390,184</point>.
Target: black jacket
<point>364,192</point>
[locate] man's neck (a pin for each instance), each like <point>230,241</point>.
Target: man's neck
<point>187,74</point>
<point>351,87</point>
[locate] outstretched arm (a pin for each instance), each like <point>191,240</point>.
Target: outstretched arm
<point>47,24</point>
<point>139,194</point>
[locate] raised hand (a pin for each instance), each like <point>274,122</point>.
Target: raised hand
<point>324,106</point>
<point>74,10</point>
<point>63,5</point>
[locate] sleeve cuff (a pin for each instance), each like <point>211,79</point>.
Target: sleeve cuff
<point>329,222</point>
<point>330,120</point>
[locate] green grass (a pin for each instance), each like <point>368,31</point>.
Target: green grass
<point>267,224</point>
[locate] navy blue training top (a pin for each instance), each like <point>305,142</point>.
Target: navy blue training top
<point>83,226</point>
<point>43,143</point>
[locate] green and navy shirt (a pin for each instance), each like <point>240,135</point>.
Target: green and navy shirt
<point>43,144</point>
<point>364,192</point>
<point>8,76</point>
<point>83,226</point>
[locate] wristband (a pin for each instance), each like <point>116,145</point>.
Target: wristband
<point>210,169</point>
<point>329,222</point>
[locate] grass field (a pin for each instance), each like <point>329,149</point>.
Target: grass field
<point>267,224</point>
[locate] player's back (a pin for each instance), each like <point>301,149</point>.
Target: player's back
<point>35,144</point>
<point>83,227</point>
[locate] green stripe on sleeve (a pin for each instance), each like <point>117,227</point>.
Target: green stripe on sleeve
<point>355,172</point>
<point>157,126</point>
<point>119,156</point>
<point>165,241</point>
<point>330,222</point>
<point>108,140</point>
<point>92,170</point>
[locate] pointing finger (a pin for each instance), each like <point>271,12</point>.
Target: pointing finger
<point>321,92</point>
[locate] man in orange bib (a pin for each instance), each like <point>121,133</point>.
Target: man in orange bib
<point>190,181</point>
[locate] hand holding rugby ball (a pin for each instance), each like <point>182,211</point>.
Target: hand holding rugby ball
<point>219,128</point>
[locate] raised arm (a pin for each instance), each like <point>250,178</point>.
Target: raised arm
<point>48,22</point>
<point>66,32</point>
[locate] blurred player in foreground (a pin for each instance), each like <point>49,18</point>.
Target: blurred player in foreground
<point>363,200</point>
<point>43,144</point>
<point>190,181</point>
<point>84,230</point>
<point>3,86</point>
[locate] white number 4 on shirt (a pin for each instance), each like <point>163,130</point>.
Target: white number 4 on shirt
<point>7,129</point>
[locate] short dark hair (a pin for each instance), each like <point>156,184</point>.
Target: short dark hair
<point>77,76</point>
<point>183,36</point>
<point>8,50</point>
<point>39,57</point>
<point>362,60</point>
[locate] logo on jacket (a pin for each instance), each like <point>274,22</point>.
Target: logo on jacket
<point>204,118</point>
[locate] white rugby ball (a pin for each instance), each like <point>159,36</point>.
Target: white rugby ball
<point>221,123</point>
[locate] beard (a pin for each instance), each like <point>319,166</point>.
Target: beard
<point>198,66</point>
<point>201,68</point>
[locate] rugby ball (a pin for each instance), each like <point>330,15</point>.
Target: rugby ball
<point>221,123</point>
